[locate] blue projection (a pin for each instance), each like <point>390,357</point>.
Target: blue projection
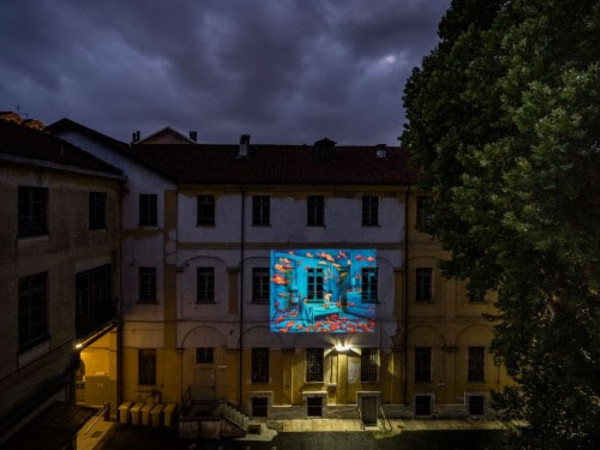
<point>323,291</point>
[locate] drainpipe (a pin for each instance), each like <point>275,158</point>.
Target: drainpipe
<point>120,318</point>
<point>405,387</point>
<point>241,340</point>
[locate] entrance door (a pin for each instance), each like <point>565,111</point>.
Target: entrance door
<point>204,384</point>
<point>368,408</point>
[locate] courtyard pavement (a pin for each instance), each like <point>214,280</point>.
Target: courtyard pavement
<point>328,434</point>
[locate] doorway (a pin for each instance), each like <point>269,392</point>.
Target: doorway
<point>368,409</point>
<point>205,384</point>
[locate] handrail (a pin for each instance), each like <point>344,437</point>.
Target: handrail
<point>100,414</point>
<point>385,419</point>
<point>187,395</point>
<point>360,419</point>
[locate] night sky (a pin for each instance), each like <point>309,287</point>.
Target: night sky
<point>282,71</point>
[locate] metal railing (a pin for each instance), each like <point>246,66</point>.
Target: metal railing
<point>386,421</point>
<point>360,419</point>
<point>99,414</point>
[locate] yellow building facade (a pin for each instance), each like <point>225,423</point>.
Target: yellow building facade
<point>194,329</point>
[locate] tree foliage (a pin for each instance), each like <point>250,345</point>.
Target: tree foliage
<point>504,126</point>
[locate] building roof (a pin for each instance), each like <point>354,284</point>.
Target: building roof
<point>30,144</point>
<point>167,135</point>
<point>277,164</point>
<point>64,125</point>
<point>54,428</point>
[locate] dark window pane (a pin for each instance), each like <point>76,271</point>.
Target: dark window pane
<point>476,405</point>
<point>423,364</point>
<point>261,210</point>
<point>148,209</point>
<point>32,205</point>
<point>147,278</point>
<point>206,210</point>
<point>94,306</point>
<point>314,364</point>
<point>370,210</point>
<point>424,205</point>
<point>146,366</point>
<point>204,355</point>
<point>476,297</point>
<point>260,406</point>
<point>205,285</point>
<point>260,365</point>
<point>97,210</point>
<point>315,210</point>
<point>422,405</point>
<point>476,363</point>
<point>314,406</point>
<point>260,285</point>
<point>369,362</point>
<point>424,287</point>
<point>33,311</point>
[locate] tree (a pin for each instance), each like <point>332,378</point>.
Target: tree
<point>504,126</point>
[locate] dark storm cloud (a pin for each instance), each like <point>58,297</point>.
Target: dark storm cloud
<point>283,71</point>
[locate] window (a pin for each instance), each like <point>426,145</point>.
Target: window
<point>33,209</point>
<point>148,209</point>
<point>314,364</point>
<point>368,293</point>
<point>261,210</point>
<point>314,406</point>
<point>369,362</point>
<point>259,406</point>
<point>260,285</point>
<point>476,405</point>
<point>423,364</point>
<point>33,311</point>
<point>146,366</point>
<point>94,306</point>
<point>424,205</point>
<point>315,212</point>
<point>147,278</point>
<point>476,297</point>
<point>315,285</point>
<point>370,210</point>
<point>260,365</point>
<point>476,363</point>
<point>206,210</point>
<point>205,355</point>
<point>97,210</point>
<point>424,287</point>
<point>205,285</point>
<point>422,405</point>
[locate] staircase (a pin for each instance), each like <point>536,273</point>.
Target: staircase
<point>235,416</point>
<point>211,418</point>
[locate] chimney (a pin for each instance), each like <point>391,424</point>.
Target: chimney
<point>244,146</point>
<point>135,137</point>
<point>325,150</point>
<point>381,151</point>
<point>194,136</point>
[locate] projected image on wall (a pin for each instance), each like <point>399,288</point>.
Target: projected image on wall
<point>323,291</point>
